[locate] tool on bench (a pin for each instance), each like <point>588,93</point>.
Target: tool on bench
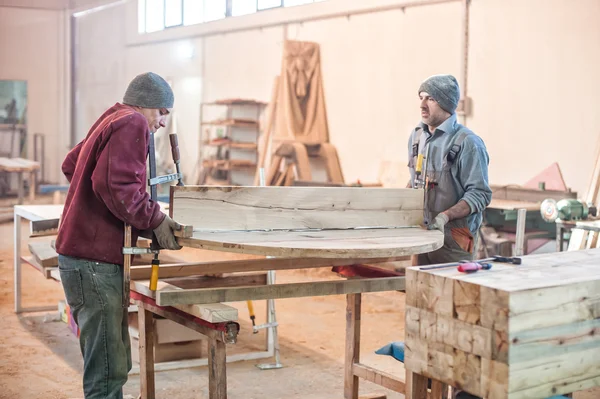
<point>153,182</point>
<point>501,259</point>
<point>472,267</point>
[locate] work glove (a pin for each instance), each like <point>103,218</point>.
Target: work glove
<point>164,233</point>
<point>439,222</point>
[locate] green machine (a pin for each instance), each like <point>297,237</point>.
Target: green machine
<point>566,209</point>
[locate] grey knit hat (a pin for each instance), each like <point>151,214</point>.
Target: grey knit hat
<point>149,90</point>
<point>444,89</point>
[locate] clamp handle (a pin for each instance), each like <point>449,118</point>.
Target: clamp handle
<point>174,147</point>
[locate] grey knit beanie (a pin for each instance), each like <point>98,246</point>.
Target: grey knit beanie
<point>149,90</point>
<point>444,89</point>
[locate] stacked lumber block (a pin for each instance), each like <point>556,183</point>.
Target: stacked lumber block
<point>528,331</point>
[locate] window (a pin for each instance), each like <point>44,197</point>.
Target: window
<point>214,9</point>
<point>193,12</point>
<point>242,7</point>
<point>173,13</point>
<point>266,4</point>
<point>156,15</point>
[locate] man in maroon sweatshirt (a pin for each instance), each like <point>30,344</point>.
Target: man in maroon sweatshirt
<point>107,172</point>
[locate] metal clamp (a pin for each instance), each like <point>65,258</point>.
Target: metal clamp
<point>164,179</point>
<point>231,334</point>
<point>138,251</point>
<point>255,329</point>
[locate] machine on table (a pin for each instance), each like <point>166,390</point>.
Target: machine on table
<point>301,227</point>
<point>502,213</point>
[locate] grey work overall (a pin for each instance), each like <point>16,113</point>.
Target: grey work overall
<point>442,195</point>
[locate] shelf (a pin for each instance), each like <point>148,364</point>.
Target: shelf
<point>236,101</point>
<point>228,164</point>
<point>232,122</point>
<point>231,144</point>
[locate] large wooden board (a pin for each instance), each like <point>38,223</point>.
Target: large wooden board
<point>360,243</point>
<point>260,208</point>
<point>174,297</point>
<point>528,331</point>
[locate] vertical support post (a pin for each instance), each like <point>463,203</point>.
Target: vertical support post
<point>32,186</point>
<point>217,370</point>
<point>20,189</point>
<point>17,262</point>
<point>520,236</point>
<point>146,341</point>
<point>353,308</point>
<point>416,386</point>
<point>439,390</point>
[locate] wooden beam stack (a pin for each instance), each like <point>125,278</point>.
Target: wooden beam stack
<point>528,331</point>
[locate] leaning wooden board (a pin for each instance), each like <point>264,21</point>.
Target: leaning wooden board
<point>323,222</point>
<point>528,331</point>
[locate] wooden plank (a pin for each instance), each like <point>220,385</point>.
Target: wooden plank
<point>43,253</point>
<point>46,271</point>
<point>262,208</point>
<point>247,265</point>
<point>380,378</point>
<point>353,321</point>
<point>578,239</point>
<point>528,194</point>
<point>173,270</point>
<point>211,312</point>
<point>291,290</point>
<point>355,243</point>
<point>18,165</point>
<point>146,342</point>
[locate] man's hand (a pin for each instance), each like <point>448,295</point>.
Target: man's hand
<point>164,233</point>
<point>439,222</point>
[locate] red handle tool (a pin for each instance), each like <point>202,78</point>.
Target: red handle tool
<point>472,267</point>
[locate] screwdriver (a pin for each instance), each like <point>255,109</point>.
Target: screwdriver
<point>472,267</point>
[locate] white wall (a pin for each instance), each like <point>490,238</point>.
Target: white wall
<point>532,75</point>
<point>33,47</point>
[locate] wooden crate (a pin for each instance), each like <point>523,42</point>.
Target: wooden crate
<point>528,331</point>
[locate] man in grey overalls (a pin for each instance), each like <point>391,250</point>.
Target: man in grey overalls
<point>453,166</point>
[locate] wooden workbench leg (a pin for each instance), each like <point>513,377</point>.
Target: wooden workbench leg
<point>416,386</point>
<point>217,370</point>
<point>352,345</point>
<point>32,186</point>
<point>439,390</point>
<point>146,329</point>
<point>20,189</point>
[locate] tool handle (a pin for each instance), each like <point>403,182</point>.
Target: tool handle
<point>174,146</point>
<point>468,267</point>
<point>471,267</point>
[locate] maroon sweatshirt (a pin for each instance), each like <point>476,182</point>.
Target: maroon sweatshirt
<point>107,172</point>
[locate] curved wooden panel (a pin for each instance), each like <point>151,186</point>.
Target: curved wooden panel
<point>356,243</point>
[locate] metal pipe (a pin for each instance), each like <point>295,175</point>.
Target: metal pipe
<point>465,58</point>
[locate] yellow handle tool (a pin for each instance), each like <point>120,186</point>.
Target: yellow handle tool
<point>252,316</point>
<point>154,273</point>
<point>419,167</point>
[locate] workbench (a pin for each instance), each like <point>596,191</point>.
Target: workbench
<point>43,221</point>
<point>294,227</point>
<point>20,166</point>
<point>512,332</point>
